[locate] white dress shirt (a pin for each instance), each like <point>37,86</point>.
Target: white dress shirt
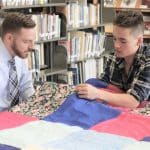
<point>24,78</point>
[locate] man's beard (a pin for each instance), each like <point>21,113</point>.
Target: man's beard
<point>17,52</point>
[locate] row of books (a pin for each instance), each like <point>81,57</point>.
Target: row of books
<point>82,15</point>
<point>46,58</point>
<point>80,46</point>
<point>84,48</point>
<point>48,26</point>
<point>34,64</point>
<point>10,3</point>
<point>42,53</point>
<point>146,25</point>
<point>37,60</point>
<point>85,45</point>
<point>82,71</point>
<point>127,3</point>
<point>40,58</point>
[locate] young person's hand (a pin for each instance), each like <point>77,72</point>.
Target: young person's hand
<point>87,91</point>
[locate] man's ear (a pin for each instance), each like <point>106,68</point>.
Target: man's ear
<point>140,40</point>
<point>8,38</point>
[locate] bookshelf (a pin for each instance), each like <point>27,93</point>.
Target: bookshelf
<point>48,59</point>
<point>85,39</point>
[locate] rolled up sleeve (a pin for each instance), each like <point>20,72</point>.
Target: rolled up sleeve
<point>140,87</point>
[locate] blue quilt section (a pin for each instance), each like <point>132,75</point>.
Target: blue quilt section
<point>82,112</point>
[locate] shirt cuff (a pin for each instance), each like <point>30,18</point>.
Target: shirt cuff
<point>134,93</point>
<point>27,93</point>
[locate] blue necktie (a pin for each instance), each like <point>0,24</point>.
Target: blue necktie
<point>13,84</point>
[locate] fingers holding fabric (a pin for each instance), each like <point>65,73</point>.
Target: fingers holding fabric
<point>87,91</point>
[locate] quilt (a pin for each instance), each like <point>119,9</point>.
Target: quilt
<point>77,124</point>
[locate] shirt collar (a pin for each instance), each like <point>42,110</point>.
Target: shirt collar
<point>140,52</point>
<point>119,61</point>
<point>4,53</point>
<point>140,56</point>
<point>137,59</point>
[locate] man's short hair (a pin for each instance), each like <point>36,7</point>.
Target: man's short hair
<point>130,19</point>
<point>13,22</point>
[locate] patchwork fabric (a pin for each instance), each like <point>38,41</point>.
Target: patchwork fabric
<point>50,95</point>
<point>47,98</point>
<point>82,113</point>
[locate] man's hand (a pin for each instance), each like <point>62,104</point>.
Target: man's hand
<point>87,91</point>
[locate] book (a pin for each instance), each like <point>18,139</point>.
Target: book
<point>109,3</point>
<point>146,3</point>
<point>128,4</point>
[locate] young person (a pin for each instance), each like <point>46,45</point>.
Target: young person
<point>128,67</point>
<point>17,40</point>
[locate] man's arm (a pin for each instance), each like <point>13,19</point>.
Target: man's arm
<point>118,99</point>
<point>26,83</point>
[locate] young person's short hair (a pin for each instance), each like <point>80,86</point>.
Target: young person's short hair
<point>13,22</point>
<point>130,19</point>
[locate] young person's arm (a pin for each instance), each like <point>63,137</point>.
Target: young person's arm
<point>118,99</point>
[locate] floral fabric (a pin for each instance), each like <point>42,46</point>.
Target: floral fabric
<point>144,111</point>
<point>47,98</point>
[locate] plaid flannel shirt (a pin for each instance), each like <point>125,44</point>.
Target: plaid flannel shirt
<point>137,82</point>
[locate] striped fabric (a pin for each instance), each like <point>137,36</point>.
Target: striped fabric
<point>13,84</point>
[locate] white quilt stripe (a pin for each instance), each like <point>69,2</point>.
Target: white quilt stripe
<point>36,132</point>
